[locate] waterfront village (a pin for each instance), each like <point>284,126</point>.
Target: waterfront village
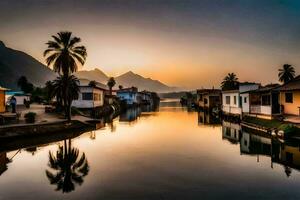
<point>75,106</point>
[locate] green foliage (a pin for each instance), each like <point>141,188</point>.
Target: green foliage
<point>230,82</point>
<point>24,85</point>
<point>286,73</point>
<point>30,117</point>
<point>63,53</point>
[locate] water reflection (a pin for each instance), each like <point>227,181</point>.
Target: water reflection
<point>3,162</point>
<point>67,167</point>
<point>256,143</point>
<point>206,118</point>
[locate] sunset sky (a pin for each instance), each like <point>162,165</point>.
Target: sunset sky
<point>187,43</point>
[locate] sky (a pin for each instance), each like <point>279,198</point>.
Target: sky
<point>185,43</point>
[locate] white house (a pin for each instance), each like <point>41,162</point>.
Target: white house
<point>234,102</point>
<point>20,96</point>
<point>90,96</point>
<point>129,95</point>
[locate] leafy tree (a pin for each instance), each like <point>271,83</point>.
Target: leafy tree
<point>69,168</point>
<point>24,85</point>
<point>286,73</point>
<point>64,54</point>
<point>120,87</point>
<point>230,82</point>
<point>66,89</point>
<point>111,83</point>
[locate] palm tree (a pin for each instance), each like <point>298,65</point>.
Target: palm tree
<point>66,89</point>
<point>111,83</point>
<point>64,54</point>
<point>49,90</point>
<point>230,82</point>
<point>69,167</point>
<point>287,73</point>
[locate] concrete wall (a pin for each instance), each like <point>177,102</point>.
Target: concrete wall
<point>80,103</point>
<point>291,108</point>
<point>232,108</point>
<point>129,97</point>
<point>245,104</point>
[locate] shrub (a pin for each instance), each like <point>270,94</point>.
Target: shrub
<point>30,117</point>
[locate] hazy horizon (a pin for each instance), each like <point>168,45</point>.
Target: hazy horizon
<point>188,43</point>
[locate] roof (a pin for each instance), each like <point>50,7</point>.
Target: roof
<point>86,82</point>
<point>230,91</point>
<point>131,89</point>
<point>4,89</point>
<point>209,91</point>
<point>267,88</point>
<point>291,85</point>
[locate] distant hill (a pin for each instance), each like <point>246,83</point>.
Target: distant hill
<point>93,75</point>
<point>14,63</point>
<point>127,80</point>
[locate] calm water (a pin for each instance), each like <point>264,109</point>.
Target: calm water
<point>169,154</point>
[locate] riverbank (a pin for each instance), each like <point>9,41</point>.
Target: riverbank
<point>274,125</point>
<point>16,131</point>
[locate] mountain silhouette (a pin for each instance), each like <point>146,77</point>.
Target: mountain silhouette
<point>127,79</point>
<point>14,63</point>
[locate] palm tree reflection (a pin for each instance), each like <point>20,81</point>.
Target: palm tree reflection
<point>68,168</point>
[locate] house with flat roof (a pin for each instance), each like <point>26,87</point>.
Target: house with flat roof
<point>235,101</point>
<point>263,102</point>
<point>2,99</point>
<point>128,95</point>
<point>289,97</point>
<point>208,99</point>
<point>90,96</point>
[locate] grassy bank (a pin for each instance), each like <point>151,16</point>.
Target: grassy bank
<point>288,128</point>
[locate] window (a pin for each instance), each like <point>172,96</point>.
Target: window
<point>234,100</point>
<point>288,97</point>
<point>265,100</point>
<point>245,99</point>
<point>227,100</point>
<point>87,96</point>
<point>97,97</point>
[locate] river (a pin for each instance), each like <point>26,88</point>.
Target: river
<point>171,153</point>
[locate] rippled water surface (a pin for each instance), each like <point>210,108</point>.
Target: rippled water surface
<point>166,154</point>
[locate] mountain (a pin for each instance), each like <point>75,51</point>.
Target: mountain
<point>14,63</point>
<point>131,79</point>
<point>127,80</point>
<point>94,75</point>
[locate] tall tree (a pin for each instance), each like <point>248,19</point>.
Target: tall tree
<point>64,53</point>
<point>286,73</point>
<point>24,85</point>
<point>111,83</point>
<point>66,89</point>
<point>230,82</point>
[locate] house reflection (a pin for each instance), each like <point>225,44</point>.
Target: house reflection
<point>207,118</point>
<point>130,115</point>
<point>231,132</point>
<point>256,143</point>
